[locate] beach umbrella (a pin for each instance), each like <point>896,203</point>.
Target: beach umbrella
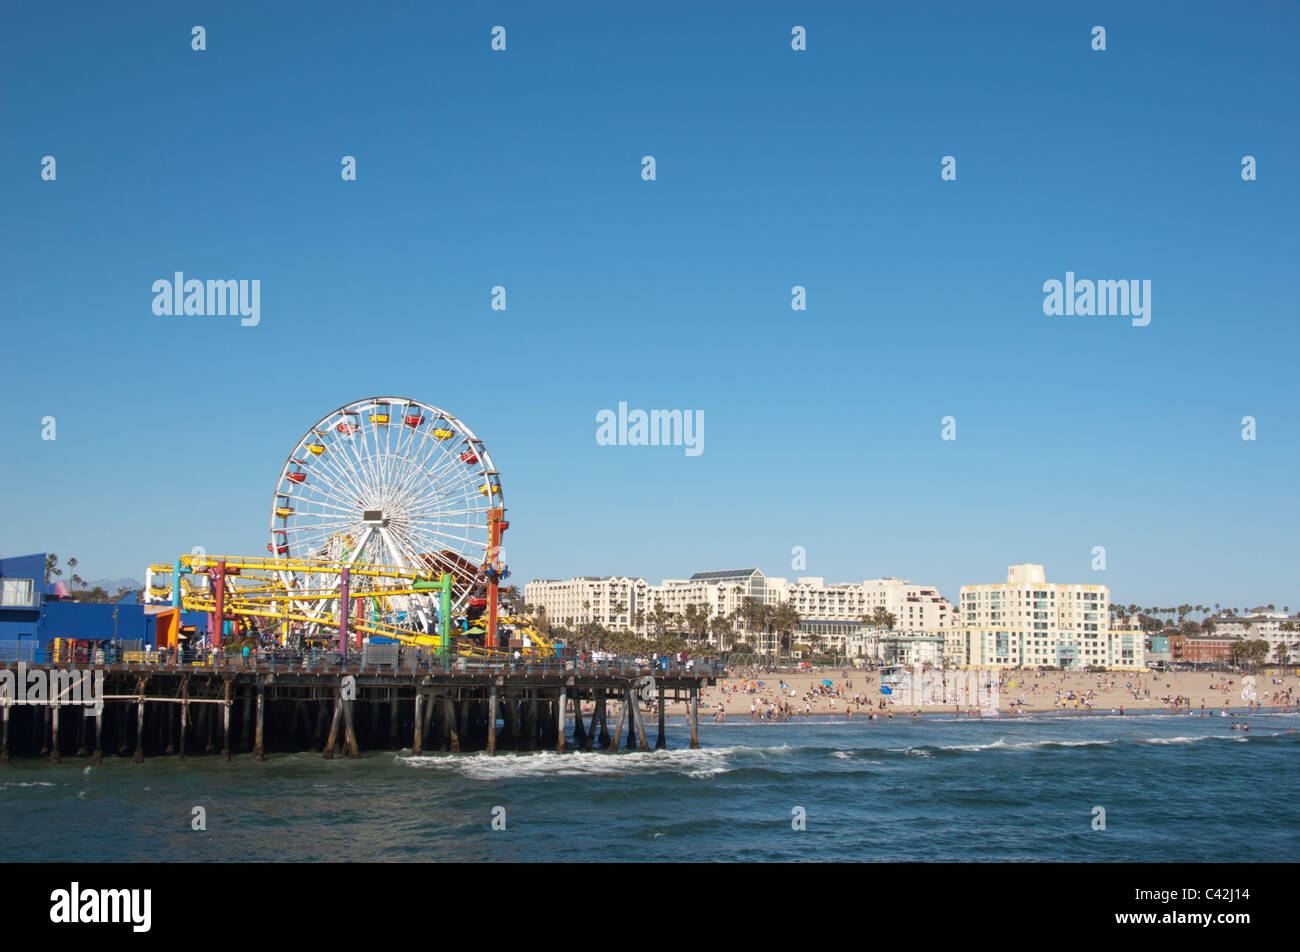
<point>886,689</point>
<point>826,681</point>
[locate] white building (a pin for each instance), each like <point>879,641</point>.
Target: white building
<point>612,600</point>
<point>831,615</point>
<point>1262,623</point>
<point>1028,621</point>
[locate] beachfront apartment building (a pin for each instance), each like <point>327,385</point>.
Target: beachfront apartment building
<point>917,608</point>
<point>1279,629</point>
<point>831,614</point>
<point>611,600</point>
<point>1028,621</point>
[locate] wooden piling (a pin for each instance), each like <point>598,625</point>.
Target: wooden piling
<point>638,718</point>
<point>695,718</point>
<point>97,755</point>
<point>349,731</point>
<point>452,724</point>
<point>618,731</point>
<point>4,732</point>
<point>579,729</point>
<point>661,742</point>
<point>328,750</point>
<point>601,711</point>
<point>560,717</point>
<point>427,731</point>
<point>54,731</point>
<point>629,704</point>
<point>185,711</point>
<point>225,723</point>
<point>492,720</point>
<point>139,729</point>
<point>258,736</point>
<point>417,743</point>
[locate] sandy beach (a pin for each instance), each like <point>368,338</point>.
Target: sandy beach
<point>858,694</point>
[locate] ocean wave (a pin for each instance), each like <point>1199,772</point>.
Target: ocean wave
<point>702,763</point>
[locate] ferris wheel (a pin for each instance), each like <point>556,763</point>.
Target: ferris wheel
<point>387,481</point>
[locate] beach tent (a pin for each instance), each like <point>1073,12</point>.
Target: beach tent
<point>826,681</point>
<point>886,689</point>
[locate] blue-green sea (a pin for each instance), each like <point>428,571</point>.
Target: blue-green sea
<point>1173,788</point>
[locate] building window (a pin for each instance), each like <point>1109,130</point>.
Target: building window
<point>16,593</point>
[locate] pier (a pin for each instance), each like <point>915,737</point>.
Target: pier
<point>238,706</point>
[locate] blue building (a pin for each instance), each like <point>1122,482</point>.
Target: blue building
<point>32,614</point>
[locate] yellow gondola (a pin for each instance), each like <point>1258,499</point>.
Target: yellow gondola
<point>444,434</point>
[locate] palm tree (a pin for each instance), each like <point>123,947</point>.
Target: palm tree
<point>721,626</point>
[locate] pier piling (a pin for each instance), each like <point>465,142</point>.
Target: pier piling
<point>258,736</point>
<point>328,749</point>
<point>417,742</point>
<point>54,732</point>
<point>139,728</point>
<point>661,742</point>
<point>695,718</point>
<point>225,724</point>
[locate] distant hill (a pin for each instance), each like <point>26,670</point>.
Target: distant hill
<point>111,585</point>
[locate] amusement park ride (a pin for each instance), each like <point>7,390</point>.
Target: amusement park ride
<point>386,523</point>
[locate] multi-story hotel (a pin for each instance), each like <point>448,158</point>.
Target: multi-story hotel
<point>612,601</point>
<point>1028,621</point>
<point>831,615</point>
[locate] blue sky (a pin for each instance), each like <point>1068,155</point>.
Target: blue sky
<point>774,168</point>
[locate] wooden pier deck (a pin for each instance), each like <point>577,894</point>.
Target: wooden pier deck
<point>168,709</point>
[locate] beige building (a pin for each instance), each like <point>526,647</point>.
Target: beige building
<point>611,600</point>
<point>1028,621</point>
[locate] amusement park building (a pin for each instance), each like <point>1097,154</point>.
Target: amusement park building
<point>32,613</point>
<point>1028,621</point>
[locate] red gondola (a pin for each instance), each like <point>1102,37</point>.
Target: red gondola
<point>298,477</point>
<point>414,419</point>
<point>347,429</point>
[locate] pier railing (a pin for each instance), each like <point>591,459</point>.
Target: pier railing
<point>407,663</point>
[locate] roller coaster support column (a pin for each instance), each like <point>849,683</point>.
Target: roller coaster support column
<point>344,578</point>
<point>444,617</point>
<point>219,590</point>
<point>496,526</point>
<point>176,584</point>
<point>443,587</point>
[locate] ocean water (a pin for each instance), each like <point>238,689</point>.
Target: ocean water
<point>1174,788</point>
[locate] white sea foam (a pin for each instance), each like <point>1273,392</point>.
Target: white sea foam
<point>701,763</point>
